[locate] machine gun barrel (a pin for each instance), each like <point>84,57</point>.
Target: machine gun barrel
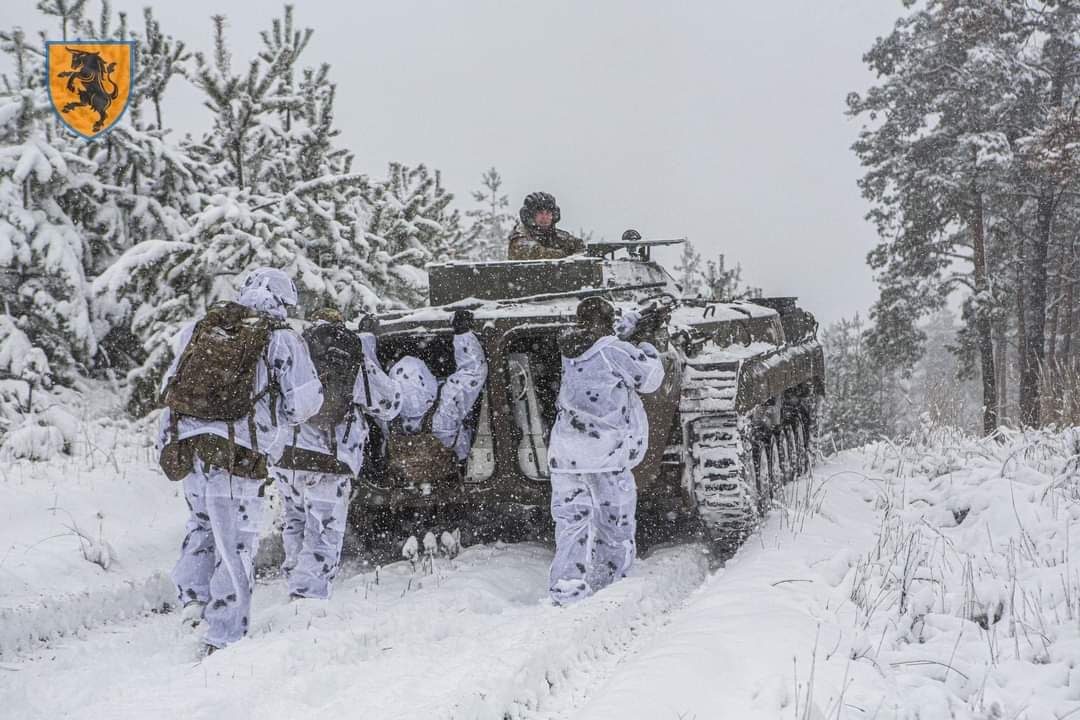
<point>636,248</point>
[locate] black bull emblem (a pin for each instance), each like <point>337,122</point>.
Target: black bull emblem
<point>90,70</point>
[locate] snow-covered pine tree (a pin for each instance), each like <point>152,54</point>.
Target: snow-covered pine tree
<point>688,271</point>
<point>492,223</point>
<point>967,92</point>
<point>234,224</point>
<point>940,387</point>
<point>46,337</point>
<point>1048,178</point>
<point>713,281</point>
<point>931,162</point>
<point>32,420</point>
<point>24,371</point>
<point>158,58</point>
<point>42,250</point>
<point>243,133</point>
<point>147,187</point>
<point>69,14</point>
<point>857,407</point>
<point>274,190</point>
<point>720,282</point>
<point>272,144</point>
<point>325,198</point>
<point>409,220</point>
<point>444,234</point>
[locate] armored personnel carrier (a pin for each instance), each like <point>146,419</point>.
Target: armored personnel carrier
<point>732,421</point>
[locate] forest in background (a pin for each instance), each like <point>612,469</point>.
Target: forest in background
<point>970,144</point>
<point>969,138</point>
<point>108,247</point>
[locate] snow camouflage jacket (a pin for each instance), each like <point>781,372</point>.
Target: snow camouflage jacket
<point>601,425</point>
<point>527,244</point>
<point>383,405</point>
<point>456,398</point>
<point>459,394</point>
<point>301,392</point>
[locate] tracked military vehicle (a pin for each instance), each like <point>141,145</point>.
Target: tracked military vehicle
<point>732,421</point>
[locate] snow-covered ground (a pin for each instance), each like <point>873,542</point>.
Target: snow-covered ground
<point>933,579</point>
<point>83,536</point>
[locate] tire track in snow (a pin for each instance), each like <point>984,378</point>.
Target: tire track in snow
<point>475,639</point>
<point>36,625</point>
<point>548,667</point>
<point>24,629</point>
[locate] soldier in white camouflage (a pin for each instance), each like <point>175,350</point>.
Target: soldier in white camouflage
<point>536,236</point>
<point>601,434</point>
<point>223,464</point>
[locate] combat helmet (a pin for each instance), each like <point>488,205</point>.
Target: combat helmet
<point>534,203</point>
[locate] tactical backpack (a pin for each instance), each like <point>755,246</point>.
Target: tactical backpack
<point>215,380</point>
<point>418,457</point>
<point>338,356</point>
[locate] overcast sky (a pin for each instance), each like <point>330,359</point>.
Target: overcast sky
<point>720,121</point>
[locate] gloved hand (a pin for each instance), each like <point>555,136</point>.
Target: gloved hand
<point>626,324</point>
<point>462,321</point>
<point>367,323</point>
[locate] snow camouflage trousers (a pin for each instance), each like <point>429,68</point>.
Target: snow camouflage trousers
<point>594,532</point>
<point>316,506</point>
<point>217,557</point>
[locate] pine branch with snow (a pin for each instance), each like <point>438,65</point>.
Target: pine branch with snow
<point>491,222</point>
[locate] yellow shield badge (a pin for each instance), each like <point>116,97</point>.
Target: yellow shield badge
<point>89,82</point>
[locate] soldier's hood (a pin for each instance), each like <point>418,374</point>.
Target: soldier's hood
<point>418,386</point>
<point>274,281</point>
<point>580,344</point>
<point>261,299</point>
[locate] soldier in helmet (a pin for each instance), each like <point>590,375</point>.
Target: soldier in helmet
<point>600,435</point>
<point>223,463</point>
<point>536,237</point>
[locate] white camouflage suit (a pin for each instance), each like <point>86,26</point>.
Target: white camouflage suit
<point>600,434</point>
<point>317,503</point>
<point>458,394</point>
<point>217,557</point>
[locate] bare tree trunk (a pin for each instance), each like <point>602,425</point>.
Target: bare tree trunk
<point>1002,366</point>
<point>1070,293</point>
<point>1034,346</point>
<point>239,167</point>
<point>983,326</point>
<point>1054,297</point>
<point>1021,323</point>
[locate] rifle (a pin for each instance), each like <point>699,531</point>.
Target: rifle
<point>655,313</point>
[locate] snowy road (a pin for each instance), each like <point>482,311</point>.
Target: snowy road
<point>928,582</point>
<point>475,638</point>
